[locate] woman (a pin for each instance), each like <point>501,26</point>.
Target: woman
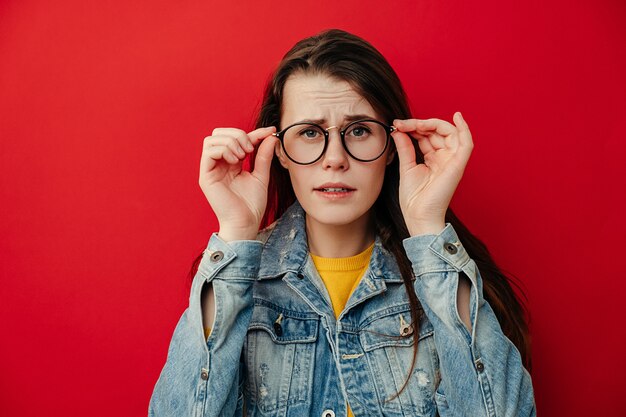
<point>367,296</point>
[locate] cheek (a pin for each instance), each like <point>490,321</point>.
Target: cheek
<point>377,173</point>
<point>380,177</point>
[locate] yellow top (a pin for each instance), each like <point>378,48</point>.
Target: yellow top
<point>341,276</point>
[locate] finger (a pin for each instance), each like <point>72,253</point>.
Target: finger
<point>246,140</point>
<point>439,133</point>
<point>426,145</point>
<point>263,160</point>
<point>212,156</point>
<point>237,134</point>
<point>465,136</point>
<point>218,153</point>
<point>405,150</point>
<point>229,141</point>
<point>257,135</point>
<point>425,125</point>
<point>230,156</point>
<point>434,140</point>
<point>206,163</point>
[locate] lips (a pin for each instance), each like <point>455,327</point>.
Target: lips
<point>334,187</point>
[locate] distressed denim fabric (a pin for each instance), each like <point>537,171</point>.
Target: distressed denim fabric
<point>277,346</point>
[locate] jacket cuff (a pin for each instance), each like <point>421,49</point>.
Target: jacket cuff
<point>440,252</point>
<point>236,259</point>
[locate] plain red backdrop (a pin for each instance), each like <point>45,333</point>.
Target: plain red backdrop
<point>103,109</point>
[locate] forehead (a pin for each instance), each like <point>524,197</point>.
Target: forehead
<point>318,96</point>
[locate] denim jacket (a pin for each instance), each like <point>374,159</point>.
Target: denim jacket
<point>277,347</point>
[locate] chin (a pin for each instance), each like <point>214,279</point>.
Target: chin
<point>334,214</point>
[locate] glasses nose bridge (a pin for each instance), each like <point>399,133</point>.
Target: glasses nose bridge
<point>337,152</point>
<point>327,130</point>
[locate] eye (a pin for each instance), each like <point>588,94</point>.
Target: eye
<point>359,131</point>
<point>309,133</point>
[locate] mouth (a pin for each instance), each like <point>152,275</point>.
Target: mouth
<point>334,190</point>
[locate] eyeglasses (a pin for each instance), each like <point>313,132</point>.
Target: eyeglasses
<point>364,140</point>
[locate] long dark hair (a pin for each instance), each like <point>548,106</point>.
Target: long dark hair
<point>347,57</point>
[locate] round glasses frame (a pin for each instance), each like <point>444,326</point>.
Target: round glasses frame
<point>389,129</point>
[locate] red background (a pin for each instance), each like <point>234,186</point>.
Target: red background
<point>103,109</point>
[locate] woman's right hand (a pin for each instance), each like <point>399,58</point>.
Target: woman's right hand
<point>238,197</point>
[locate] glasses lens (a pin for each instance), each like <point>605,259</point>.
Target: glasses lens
<point>366,140</point>
<point>304,143</point>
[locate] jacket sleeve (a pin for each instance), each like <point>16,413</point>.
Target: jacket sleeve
<point>203,377</point>
<point>481,371</point>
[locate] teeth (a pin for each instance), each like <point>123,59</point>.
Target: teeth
<point>334,190</point>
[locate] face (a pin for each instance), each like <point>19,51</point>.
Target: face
<point>335,190</point>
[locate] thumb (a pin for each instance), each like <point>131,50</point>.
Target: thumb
<point>405,150</point>
<point>263,160</point>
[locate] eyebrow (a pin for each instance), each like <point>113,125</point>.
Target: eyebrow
<point>347,118</point>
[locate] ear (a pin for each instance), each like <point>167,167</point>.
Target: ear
<point>278,150</point>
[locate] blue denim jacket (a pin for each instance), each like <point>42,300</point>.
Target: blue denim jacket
<point>277,346</point>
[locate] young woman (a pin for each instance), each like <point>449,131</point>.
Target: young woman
<point>367,296</point>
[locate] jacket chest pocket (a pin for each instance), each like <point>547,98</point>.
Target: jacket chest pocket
<point>279,355</point>
<point>389,357</point>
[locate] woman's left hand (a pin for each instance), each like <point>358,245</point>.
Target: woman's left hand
<point>426,189</point>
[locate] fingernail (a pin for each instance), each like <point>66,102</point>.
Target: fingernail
<point>249,147</point>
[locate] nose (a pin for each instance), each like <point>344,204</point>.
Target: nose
<point>335,156</point>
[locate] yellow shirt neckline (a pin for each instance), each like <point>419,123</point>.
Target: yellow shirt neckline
<point>349,263</point>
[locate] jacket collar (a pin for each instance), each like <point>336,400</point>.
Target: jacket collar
<point>286,250</point>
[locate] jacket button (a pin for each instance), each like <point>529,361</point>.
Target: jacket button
<point>217,256</point>
<point>480,367</point>
<point>278,329</point>
<point>451,248</point>
<point>204,374</point>
<point>328,413</point>
<point>300,275</point>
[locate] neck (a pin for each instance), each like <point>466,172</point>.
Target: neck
<point>332,241</point>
